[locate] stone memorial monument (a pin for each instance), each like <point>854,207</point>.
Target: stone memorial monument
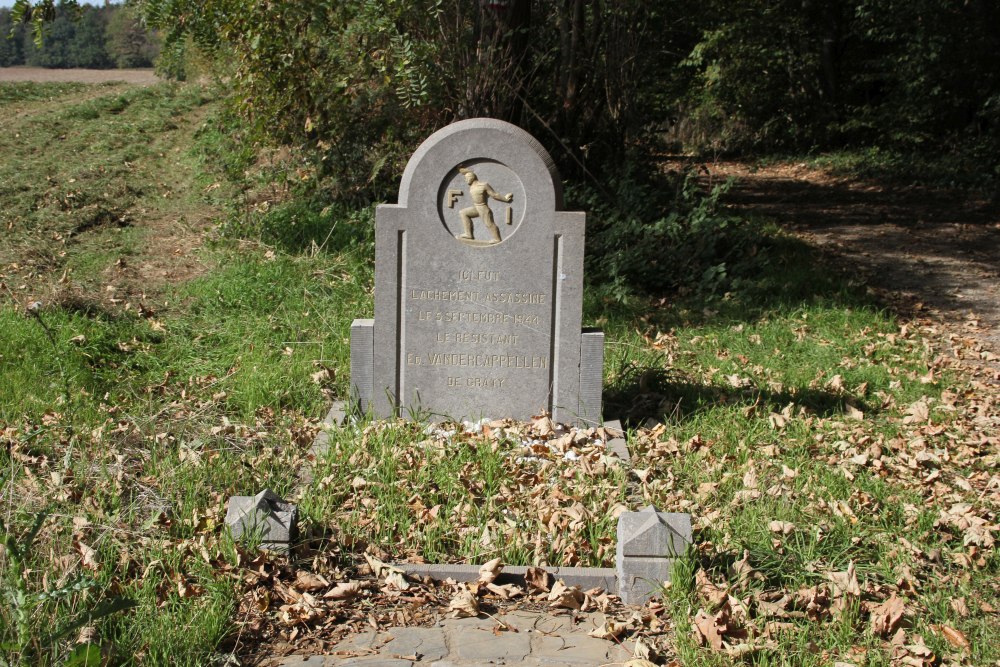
<point>478,288</point>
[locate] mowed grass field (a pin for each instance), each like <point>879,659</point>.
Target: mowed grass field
<point>174,323</point>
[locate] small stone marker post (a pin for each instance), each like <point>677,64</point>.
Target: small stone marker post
<point>478,288</point>
<point>649,542</point>
<point>266,516</point>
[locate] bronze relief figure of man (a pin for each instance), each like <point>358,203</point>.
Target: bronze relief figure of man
<point>481,193</point>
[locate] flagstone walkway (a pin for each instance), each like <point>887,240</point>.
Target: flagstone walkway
<point>534,639</point>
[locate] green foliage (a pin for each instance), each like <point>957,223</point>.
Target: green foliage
<point>357,85</point>
<point>128,43</point>
<point>918,78</point>
<point>663,232</point>
<point>11,40</point>
<point>87,48</point>
<point>68,35</point>
<point>39,14</point>
<point>56,51</point>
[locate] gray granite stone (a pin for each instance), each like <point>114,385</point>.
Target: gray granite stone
<point>616,439</point>
<point>303,661</point>
<point>265,516</point>
<point>479,287</point>
<point>425,643</point>
<point>482,646</point>
<point>652,533</point>
<point>642,578</point>
<point>364,642</point>
<point>362,364</point>
<point>369,661</point>
<point>574,649</point>
<point>648,544</point>
<point>591,377</point>
<point>335,417</point>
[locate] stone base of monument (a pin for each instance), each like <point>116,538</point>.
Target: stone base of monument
<point>661,537</point>
<point>584,577</point>
<point>265,517</point>
<point>649,541</point>
<point>335,417</point>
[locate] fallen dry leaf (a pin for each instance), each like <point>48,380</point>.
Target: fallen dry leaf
<point>918,413</point>
<point>393,576</point>
<point>781,527</point>
<point>707,632</point>
<point>344,591</point>
<point>507,591</point>
<point>567,597</point>
<point>489,572</point>
<point>886,617</point>
<point>955,637</point>
<point>715,595</point>
<point>608,630</point>
<point>537,579</point>
<point>464,604</point>
<point>87,555</point>
<point>846,582</point>
<point>307,581</point>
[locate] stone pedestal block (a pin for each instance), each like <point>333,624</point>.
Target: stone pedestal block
<point>648,544</point>
<point>265,516</point>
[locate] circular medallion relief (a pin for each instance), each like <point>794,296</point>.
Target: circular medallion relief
<point>481,202</point>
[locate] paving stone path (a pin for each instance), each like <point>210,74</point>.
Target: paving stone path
<point>534,639</point>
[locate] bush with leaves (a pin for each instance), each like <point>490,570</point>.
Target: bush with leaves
<point>654,233</point>
<point>358,84</point>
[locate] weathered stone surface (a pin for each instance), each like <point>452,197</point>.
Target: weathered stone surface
<point>425,643</point>
<point>303,661</point>
<point>642,578</point>
<point>652,533</point>
<point>648,544</point>
<point>616,439</point>
<point>479,287</point>
<point>335,417</point>
<point>534,639</point>
<point>481,646</point>
<point>361,642</point>
<point>362,364</point>
<point>265,516</point>
<point>573,649</point>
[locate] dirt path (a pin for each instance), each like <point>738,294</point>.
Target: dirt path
<point>42,75</point>
<point>929,251</point>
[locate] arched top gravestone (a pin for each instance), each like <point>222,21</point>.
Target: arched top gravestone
<point>478,288</point>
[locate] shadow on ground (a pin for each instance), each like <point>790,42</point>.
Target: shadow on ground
<point>938,248</point>
<point>657,394</point>
<point>852,244</point>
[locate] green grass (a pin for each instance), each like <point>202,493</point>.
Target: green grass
<point>20,92</point>
<point>156,401</point>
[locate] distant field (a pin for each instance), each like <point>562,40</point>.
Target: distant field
<point>41,74</point>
